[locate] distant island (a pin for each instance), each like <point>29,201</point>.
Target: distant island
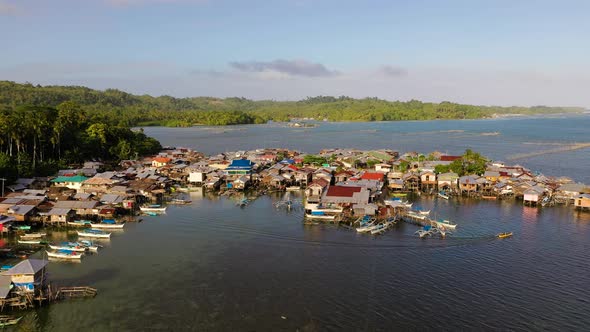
<point>125,109</point>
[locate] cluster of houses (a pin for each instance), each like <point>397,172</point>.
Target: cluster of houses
<point>347,178</point>
<point>90,193</point>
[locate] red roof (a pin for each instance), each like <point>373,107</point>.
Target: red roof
<point>293,167</point>
<point>341,191</point>
<point>320,182</point>
<point>449,158</point>
<point>162,159</point>
<point>372,176</point>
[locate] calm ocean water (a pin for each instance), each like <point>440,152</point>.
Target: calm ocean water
<point>212,266</point>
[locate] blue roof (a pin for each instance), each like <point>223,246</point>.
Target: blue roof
<point>241,163</point>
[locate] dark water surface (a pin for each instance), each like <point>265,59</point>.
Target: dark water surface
<point>213,266</point>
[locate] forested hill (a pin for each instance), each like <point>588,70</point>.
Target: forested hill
<point>121,108</point>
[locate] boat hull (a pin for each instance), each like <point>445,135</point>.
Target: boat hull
<point>63,256</point>
<point>95,235</point>
<point>107,226</point>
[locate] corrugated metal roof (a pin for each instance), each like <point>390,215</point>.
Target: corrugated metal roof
<point>76,204</point>
<point>58,212</point>
<point>340,191</point>
<point>28,266</point>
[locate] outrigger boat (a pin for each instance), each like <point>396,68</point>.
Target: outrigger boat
<point>445,223</point>
<point>380,228</point>
<point>367,228</point>
<point>64,254</point>
<point>243,202</point>
<point>32,235</point>
<point>179,201</point>
<point>425,231</point>
<point>109,224</point>
<point>442,194</point>
<point>153,208</point>
<point>89,245</point>
<point>29,241</point>
<point>68,246</point>
<point>80,223</point>
<point>424,213</point>
<point>94,233</point>
<point>9,320</point>
<point>505,235</point>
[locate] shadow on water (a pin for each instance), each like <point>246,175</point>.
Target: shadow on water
<point>92,277</point>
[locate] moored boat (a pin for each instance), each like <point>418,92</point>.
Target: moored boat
<point>442,194</point>
<point>67,246</point>
<point>445,223</point>
<point>380,228</point>
<point>180,201</point>
<point>153,208</point>
<point>505,235</point>
<point>32,235</point>
<point>29,241</point>
<point>9,320</point>
<point>424,213</point>
<point>319,216</point>
<point>79,223</point>
<point>108,223</point>
<point>89,245</point>
<point>94,233</point>
<point>64,254</point>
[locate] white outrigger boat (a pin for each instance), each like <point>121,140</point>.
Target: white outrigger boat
<point>442,223</point>
<point>425,231</point>
<point>80,223</point>
<point>442,194</point>
<point>424,213</point>
<point>380,228</point>
<point>32,236</point>
<point>68,246</point>
<point>367,228</point>
<point>319,216</point>
<point>108,224</point>
<point>29,241</point>
<point>89,245</point>
<point>153,208</point>
<point>94,233</point>
<point>64,254</point>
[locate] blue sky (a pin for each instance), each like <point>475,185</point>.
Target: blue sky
<point>483,52</point>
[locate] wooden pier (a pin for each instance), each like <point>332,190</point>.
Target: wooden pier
<point>75,292</point>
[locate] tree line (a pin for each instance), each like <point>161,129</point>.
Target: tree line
<point>38,140</point>
<point>124,109</point>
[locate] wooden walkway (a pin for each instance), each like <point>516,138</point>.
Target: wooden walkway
<point>75,292</point>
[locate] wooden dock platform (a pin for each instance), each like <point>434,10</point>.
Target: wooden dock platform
<point>75,292</point>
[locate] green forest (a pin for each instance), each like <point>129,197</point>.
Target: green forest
<point>116,107</point>
<point>39,140</point>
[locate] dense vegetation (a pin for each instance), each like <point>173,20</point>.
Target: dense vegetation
<point>115,107</point>
<point>470,163</point>
<point>37,140</point>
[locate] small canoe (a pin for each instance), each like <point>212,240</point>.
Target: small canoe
<point>89,245</point>
<point>153,208</point>
<point>29,241</point>
<point>108,223</point>
<point>9,320</point>
<point>505,235</point>
<point>22,228</point>
<point>67,246</point>
<point>32,235</point>
<point>94,233</point>
<point>64,254</point>
<point>80,223</point>
<point>445,224</point>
